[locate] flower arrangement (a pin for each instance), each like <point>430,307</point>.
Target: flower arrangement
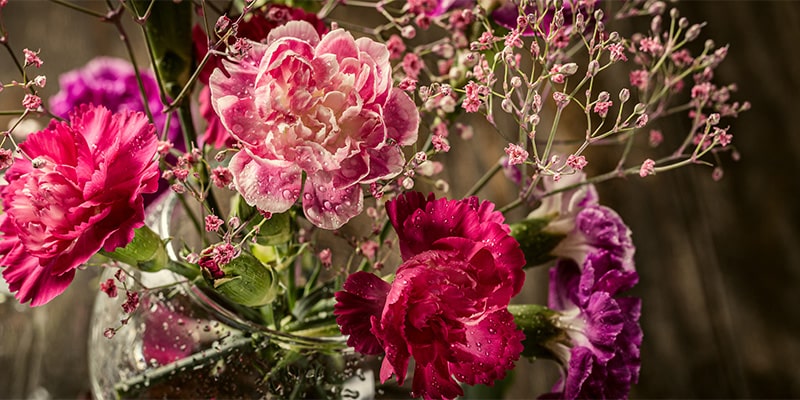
<point>310,153</point>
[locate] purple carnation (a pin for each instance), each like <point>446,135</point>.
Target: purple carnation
<point>111,82</point>
<point>507,15</point>
<point>597,227</point>
<point>601,352</point>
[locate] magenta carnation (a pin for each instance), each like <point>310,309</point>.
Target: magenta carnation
<point>324,107</point>
<point>448,304</point>
<point>82,192</point>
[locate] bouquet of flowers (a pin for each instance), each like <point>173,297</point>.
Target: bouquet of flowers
<point>315,152</point>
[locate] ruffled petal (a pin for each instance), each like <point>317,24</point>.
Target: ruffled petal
<point>327,206</point>
<point>362,299</point>
<point>270,185</point>
<point>402,118</point>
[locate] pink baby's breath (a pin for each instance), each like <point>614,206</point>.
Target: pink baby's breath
<point>647,168</point>
<point>32,58</point>
<point>516,154</point>
<point>213,223</point>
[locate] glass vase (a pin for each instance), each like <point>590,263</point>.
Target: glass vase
<point>184,342</point>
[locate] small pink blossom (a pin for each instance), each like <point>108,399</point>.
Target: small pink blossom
<point>221,177</point>
<point>651,45</point>
<point>109,287</point>
<point>577,162</point>
<point>472,101</point>
<point>648,168</point>
<point>326,257</point>
<point>641,121</point>
<point>601,108</point>
<point>320,107</point>
<point>723,136</point>
<point>213,223</point>
<point>85,195</point>
<point>396,47</point>
<point>516,154</point>
<point>31,102</point>
<point>412,65</point>
<point>656,137</point>
<point>561,98</point>
<point>682,58</point>
<point>6,158</point>
<point>131,302</point>
<point>180,173</point>
<point>369,248</point>
<point>617,52</point>
<point>639,78</point>
<point>32,58</point>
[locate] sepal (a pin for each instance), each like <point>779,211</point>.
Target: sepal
<point>247,281</point>
<point>540,326</point>
<point>536,242</point>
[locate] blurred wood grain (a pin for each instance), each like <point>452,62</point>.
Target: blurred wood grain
<point>719,261</point>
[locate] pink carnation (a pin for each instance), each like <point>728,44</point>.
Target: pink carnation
<point>325,107</point>
<point>84,195</point>
<point>447,306</point>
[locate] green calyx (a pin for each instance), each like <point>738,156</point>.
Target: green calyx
<point>539,324</point>
<point>535,241</point>
<point>247,281</point>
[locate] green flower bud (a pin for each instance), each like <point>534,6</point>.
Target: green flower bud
<point>247,281</point>
<point>535,241</point>
<point>540,326</point>
<point>146,252</point>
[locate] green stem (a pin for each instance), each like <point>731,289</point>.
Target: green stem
<point>131,386</point>
<point>484,179</point>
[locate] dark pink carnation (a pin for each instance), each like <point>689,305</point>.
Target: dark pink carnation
<point>84,195</point>
<point>320,106</point>
<point>447,306</point>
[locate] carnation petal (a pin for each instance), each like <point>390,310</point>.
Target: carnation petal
<point>340,43</point>
<point>492,346</point>
<point>363,298</point>
<point>327,206</point>
<point>300,30</point>
<point>270,185</point>
<point>27,278</point>
<point>402,118</point>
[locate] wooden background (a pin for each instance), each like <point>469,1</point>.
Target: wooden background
<point>719,261</point>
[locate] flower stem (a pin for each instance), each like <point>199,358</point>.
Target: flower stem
<point>484,179</point>
<point>131,386</point>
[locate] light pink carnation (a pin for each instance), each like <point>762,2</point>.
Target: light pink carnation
<point>81,193</point>
<point>448,305</point>
<point>325,107</point>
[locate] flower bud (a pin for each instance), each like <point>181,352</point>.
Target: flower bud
<point>624,95</point>
<point>592,68</point>
<point>693,32</point>
<point>569,68</point>
<point>247,281</point>
<point>541,329</point>
<point>535,241</point>
<point>639,108</point>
